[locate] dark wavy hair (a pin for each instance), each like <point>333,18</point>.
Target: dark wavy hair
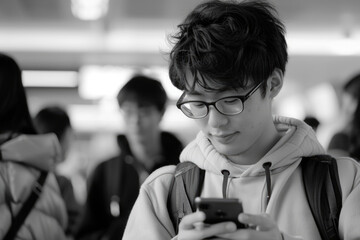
<point>14,111</point>
<point>352,87</point>
<point>226,44</point>
<point>144,91</point>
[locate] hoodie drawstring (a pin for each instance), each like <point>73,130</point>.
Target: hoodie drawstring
<point>267,166</point>
<point>226,174</point>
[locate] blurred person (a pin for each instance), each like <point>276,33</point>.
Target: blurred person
<point>54,119</point>
<point>347,141</point>
<point>313,122</point>
<point>24,156</point>
<point>115,183</point>
<point>229,59</point>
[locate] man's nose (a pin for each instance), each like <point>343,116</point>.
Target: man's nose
<point>135,117</point>
<point>216,118</point>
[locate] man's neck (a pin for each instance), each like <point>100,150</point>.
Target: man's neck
<point>147,151</point>
<point>259,148</point>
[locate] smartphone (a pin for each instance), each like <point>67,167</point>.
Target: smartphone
<point>220,210</point>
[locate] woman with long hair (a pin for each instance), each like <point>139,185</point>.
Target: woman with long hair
<point>347,141</point>
<point>24,157</point>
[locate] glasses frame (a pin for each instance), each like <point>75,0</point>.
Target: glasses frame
<point>242,98</point>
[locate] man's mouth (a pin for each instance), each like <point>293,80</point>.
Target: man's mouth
<point>224,137</point>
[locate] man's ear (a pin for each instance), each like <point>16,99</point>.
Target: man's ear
<point>275,82</point>
<point>162,113</point>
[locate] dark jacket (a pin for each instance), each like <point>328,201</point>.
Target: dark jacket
<point>72,206</point>
<point>114,187</point>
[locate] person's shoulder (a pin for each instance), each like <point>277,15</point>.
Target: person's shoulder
<point>339,140</point>
<point>109,161</point>
<point>102,168</point>
<point>163,174</point>
<point>347,162</point>
<point>349,176</point>
<point>349,170</point>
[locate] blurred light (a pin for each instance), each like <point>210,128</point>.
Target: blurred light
<point>323,45</point>
<point>323,102</point>
<point>89,9</point>
<point>319,100</point>
<point>50,40</point>
<point>131,40</point>
<point>292,106</point>
<point>95,118</point>
<point>83,40</point>
<point>97,82</point>
<point>50,78</point>
<point>346,46</point>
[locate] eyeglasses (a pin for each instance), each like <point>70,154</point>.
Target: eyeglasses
<point>228,106</point>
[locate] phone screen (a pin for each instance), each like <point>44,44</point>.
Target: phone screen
<point>220,209</point>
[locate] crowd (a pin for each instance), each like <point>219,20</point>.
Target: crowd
<point>229,60</point>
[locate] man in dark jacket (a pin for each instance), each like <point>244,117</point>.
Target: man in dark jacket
<point>115,183</point>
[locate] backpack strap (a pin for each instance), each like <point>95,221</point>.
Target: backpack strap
<point>325,199</point>
<point>184,188</point>
<point>19,219</point>
<point>113,180</point>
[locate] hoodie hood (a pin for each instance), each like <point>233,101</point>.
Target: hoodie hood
<point>40,151</point>
<point>298,140</point>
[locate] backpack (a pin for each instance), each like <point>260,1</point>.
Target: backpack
<point>324,196</point>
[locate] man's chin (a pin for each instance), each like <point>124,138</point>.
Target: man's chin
<point>226,150</point>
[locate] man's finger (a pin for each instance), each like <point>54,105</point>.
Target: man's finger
<point>189,221</point>
<point>217,229</point>
<point>245,234</point>
<point>262,222</point>
<point>208,231</point>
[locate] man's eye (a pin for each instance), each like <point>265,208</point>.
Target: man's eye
<point>231,100</point>
<point>198,104</point>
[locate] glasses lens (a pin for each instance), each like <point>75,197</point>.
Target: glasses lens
<point>194,109</point>
<point>230,106</point>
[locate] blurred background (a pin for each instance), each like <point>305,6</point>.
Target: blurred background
<point>78,53</point>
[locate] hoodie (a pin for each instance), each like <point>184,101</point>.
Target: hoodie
<point>22,158</point>
<point>287,205</point>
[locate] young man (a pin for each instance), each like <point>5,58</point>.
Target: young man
<point>229,59</point>
<point>115,183</point>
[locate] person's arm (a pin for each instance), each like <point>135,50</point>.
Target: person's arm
<point>149,218</point>
<point>349,174</point>
<point>72,206</point>
<point>93,222</point>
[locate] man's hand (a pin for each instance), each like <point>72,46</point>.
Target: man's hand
<point>192,227</point>
<point>261,227</point>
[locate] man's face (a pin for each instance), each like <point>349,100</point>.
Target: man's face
<point>67,141</point>
<point>238,134</point>
<point>349,105</point>
<point>141,121</point>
